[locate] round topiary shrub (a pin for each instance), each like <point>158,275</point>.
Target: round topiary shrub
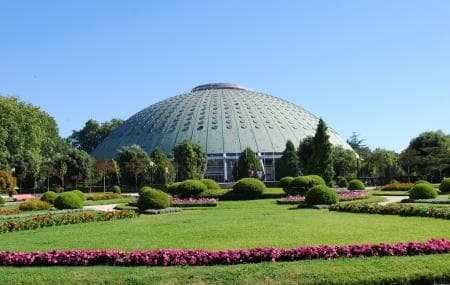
<point>285,182</point>
<point>356,184</point>
<point>321,195</point>
<point>248,188</point>
<point>68,200</point>
<point>153,199</point>
<point>445,185</point>
<point>79,194</point>
<point>49,196</point>
<point>300,185</point>
<point>422,191</point>
<point>421,181</point>
<point>342,182</point>
<point>34,205</point>
<point>190,188</point>
<point>210,184</point>
<point>116,189</point>
<point>172,189</point>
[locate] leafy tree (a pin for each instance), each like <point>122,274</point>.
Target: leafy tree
<point>383,163</point>
<point>93,133</point>
<point>47,171</point>
<point>116,170</point>
<point>78,163</point>
<point>321,162</point>
<point>287,164</point>
<point>62,171</point>
<point>134,162</point>
<point>162,170</point>
<point>7,182</point>
<point>190,161</point>
<point>344,162</point>
<point>104,168</point>
<point>304,154</point>
<point>358,146</point>
<point>248,165</point>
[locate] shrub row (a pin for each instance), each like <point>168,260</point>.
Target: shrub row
<point>396,187</point>
<point>41,221</point>
<point>34,205</point>
<point>104,196</point>
<point>173,257</point>
<point>393,209</point>
<point>427,201</point>
<point>10,211</point>
<point>193,202</point>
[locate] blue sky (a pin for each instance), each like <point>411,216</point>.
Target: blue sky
<point>380,68</point>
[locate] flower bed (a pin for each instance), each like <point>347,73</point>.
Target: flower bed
<point>21,214</point>
<point>344,195</point>
<point>173,257</point>
<point>393,209</point>
<point>10,211</point>
<point>194,202</point>
<point>50,220</point>
<point>23,197</point>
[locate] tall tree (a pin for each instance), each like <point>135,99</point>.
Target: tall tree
<point>321,162</point>
<point>134,162</point>
<point>248,164</point>
<point>105,167</point>
<point>344,162</point>
<point>383,163</point>
<point>162,171</point>
<point>287,164</point>
<point>304,152</point>
<point>358,145</point>
<point>190,161</point>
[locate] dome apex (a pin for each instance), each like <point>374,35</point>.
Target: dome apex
<point>211,86</point>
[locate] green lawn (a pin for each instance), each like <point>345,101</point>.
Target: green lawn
<point>235,224</point>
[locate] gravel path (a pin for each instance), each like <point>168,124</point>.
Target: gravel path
<point>392,199</point>
<point>104,208</point>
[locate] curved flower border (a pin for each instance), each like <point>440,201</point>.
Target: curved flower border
<point>173,257</point>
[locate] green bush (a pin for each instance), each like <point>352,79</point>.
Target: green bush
<point>321,195</point>
<point>34,205</point>
<point>2,200</point>
<point>300,185</point>
<point>190,188</point>
<point>342,182</point>
<point>143,189</point>
<point>68,200</point>
<point>210,184</point>
<point>49,196</point>
<point>153,199</point>
<point>285,182</point>
<point>172,188</point>
<point>356,184</point>
<point>421,181</point>
<point>79,194</point>
<point>116,189</point>
<point>422,191</point>
<point>248,188</point>
<point>445,185</point>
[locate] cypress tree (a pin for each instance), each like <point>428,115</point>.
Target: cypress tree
<point>321,162</point>
<point>248,164</point>
<point>304,153</point>
<point>287,165</point>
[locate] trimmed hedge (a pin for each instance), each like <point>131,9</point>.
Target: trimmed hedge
<point>116,189</point>
<point>422,191</point>
<point>34,205</point>
<point>342,182</point>
<point>300,185</point>
<point>248,188</point>
<point>210,184</point>
<point>68,200</point>
<point>397,187</point>
<point>49,196</point>
<point>356,184</point>
<point>172,188</point>
<point>445,185</point>
<point>153,199</point>
<point>421,181</point>
<point>190,188</point>
<point>79,194</point>
<point>321,195</point>
<point>104,196</point>
<point>285,182</point>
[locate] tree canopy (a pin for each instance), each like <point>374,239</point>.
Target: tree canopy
<point>248,165</point>
<point>190,161</point>
<point>321,162</point>
<point>287,164</point>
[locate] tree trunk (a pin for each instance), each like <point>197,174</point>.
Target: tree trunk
<point>135,182</point>
<point>104,184</point>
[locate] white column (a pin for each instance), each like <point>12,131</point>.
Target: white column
<point>225,169</point>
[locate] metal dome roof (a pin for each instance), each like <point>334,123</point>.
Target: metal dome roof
<point>222,118</point>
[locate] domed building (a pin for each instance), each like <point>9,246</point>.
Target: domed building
<point>224,119</point>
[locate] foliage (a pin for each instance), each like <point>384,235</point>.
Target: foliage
<point>68,200</point>
<point>321,161</point>
<point>382,163</point>
<point>190,160</point>
<point>172,188</point>
<point>248,165</point>
<point>321,195</point>
<point>41,221</point>
<point>356,184</point>
<point>344,162</point>
<point>422,191</point>
<point>190,188</point>
<point>285,182</point>
<point>93,133</point>
<point>397,187</point>
<point>133,162</point>
<point>358,145</point>
<point>342,182</point>
<point>34,205</point>
<point>153,199</point>
<point>304,154</point>
<point>161,171</point>
<point>80,194</point>
<point>421,181</point>
<point>49,196</point>
<point>116,189</point>
<point>2,201</point>
<point>210,184</point>
<point>104,196</point>
<point>248,188</point>
<point>445,185</point>
<point>300,185</point>
<point>394,209</point>
<point>7,183</point>
<point>287,164</point>
<point>75,164</point>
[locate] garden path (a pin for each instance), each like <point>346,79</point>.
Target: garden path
<point>103,208</point>
<point>392,199</point>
